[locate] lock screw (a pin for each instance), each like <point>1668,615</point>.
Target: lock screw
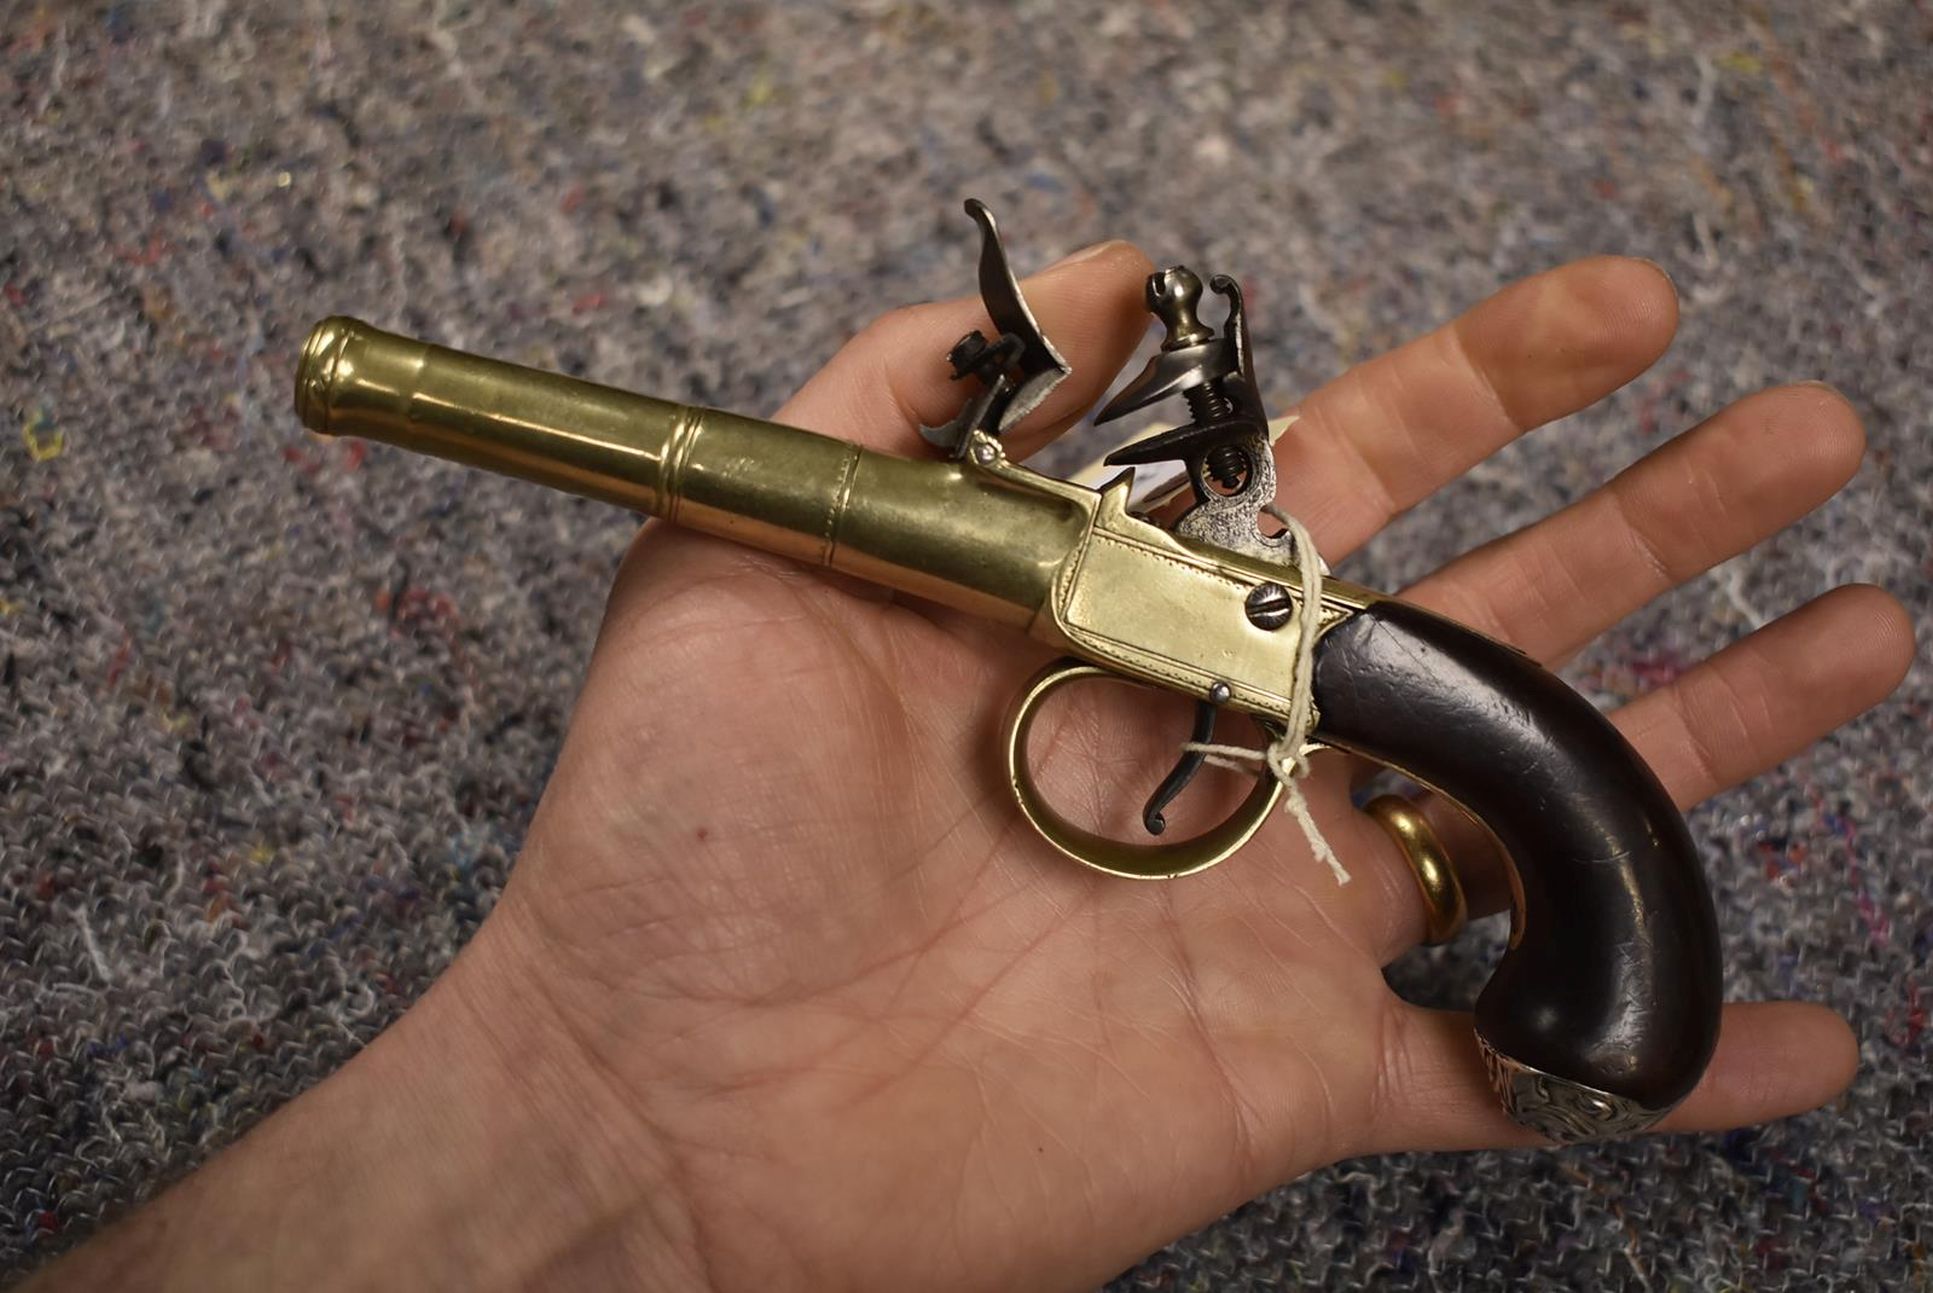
<point>1269,606</point>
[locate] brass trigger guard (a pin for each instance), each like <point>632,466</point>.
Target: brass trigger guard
<point>1162,861</point>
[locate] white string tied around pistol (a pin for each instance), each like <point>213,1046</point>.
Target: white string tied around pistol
<point>1284,756</point>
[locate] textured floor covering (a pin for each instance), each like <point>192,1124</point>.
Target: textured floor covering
<point>275,713</point>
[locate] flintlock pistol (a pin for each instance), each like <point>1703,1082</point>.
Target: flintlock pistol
<point>1602,1013</point>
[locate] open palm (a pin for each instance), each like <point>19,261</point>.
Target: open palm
<point>863,1027</point>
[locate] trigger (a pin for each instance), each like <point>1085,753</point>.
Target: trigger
<point>1184,770</point>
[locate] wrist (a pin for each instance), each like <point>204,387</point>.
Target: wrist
<point>470,1145</point>
<point>540,1167</point>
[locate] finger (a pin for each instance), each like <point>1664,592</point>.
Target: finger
<point>1706,496</point>
<point>1740,713</point>
<point>1389,432</point>
<point>893,376</point>
<point>1771,694</point>
<point>1774,1059</point>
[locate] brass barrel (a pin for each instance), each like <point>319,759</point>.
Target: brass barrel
<point>935,529</point>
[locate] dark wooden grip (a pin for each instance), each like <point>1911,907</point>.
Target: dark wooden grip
<point>1614,981</point>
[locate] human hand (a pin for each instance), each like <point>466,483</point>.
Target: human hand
<point>876,1032</point>
<point>784,993</point>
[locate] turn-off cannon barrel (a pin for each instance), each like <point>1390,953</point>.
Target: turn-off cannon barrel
<point>937,529</point>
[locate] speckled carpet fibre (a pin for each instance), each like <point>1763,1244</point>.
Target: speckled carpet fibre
<point>275,713</point>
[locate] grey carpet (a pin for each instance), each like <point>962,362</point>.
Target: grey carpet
<point>275,715</point>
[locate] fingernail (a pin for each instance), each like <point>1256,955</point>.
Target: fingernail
<point>1824,386</point>
<point>1085,253</point>
<point>1662,270</point>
